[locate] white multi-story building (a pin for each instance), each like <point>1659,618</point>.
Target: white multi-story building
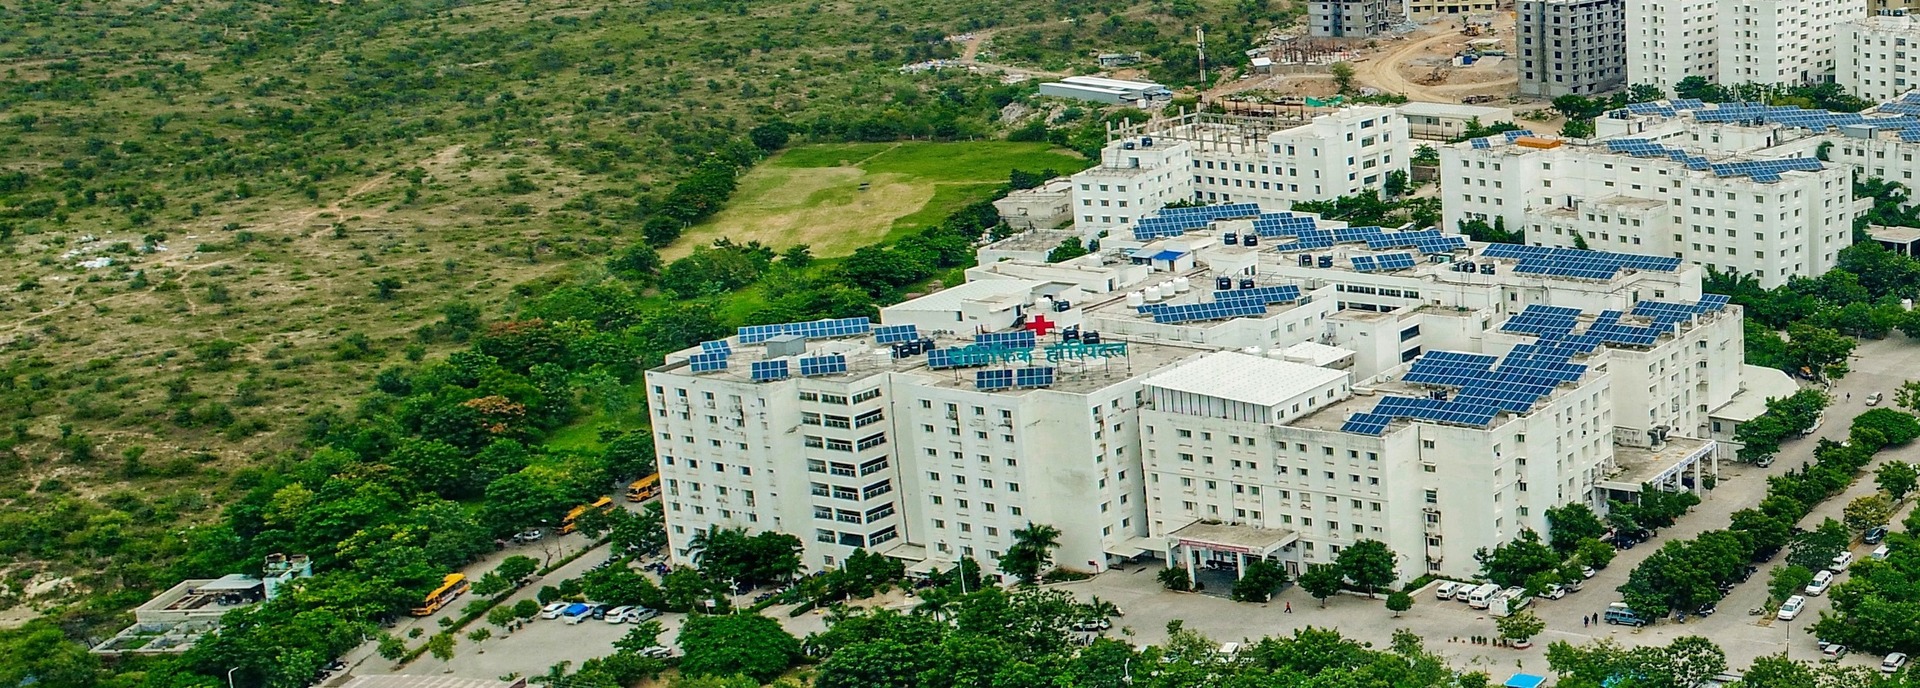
<point>1879,57</point>
<point>1227,158</point>
<point>1772,216</point>
<point>1134,400</point>
<point>1775,42</point>
<point>1670,40</point>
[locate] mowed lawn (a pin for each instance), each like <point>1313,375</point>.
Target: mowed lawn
<point>813,194</point>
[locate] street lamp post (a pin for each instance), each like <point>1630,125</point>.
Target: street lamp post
<point>230,676</point>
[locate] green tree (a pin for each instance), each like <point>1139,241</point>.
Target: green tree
<point>1868,511</point>
<point>1786,581</point>
<point>1399,601</point>
<point>1258,581</point>
<point>1069,249</point>
<point>1342,76</point>
<point>1570,524</point>
<point>1520,627</point>
<point>1907,396</point>
<point>1578,128</point>
<point>391,647</point>
<point>1512,564</point>
<point>746,644</point>
<point>1322,581</point>
<point>384,288</point>
<point>441,646</point>
<point>1368,564</point>
<point>1894,427</point>
<point>1031,552</point>
<point>1777,672</point>
<point>1175,578</point>
<point>642,636</point>
<point>1896,478</point>
<point>1592,552</point>
<point>880,663</point>
<point>1815,549</point>
<point>1396,184</point>
<point>501,615</point>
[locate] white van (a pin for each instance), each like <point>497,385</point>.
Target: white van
<point>1840,561</point>
<point>1478,597</point>
<point>1445,590</point>
<point>1881,552</point>
<point>1229,650</point>
<point>1821,581</point>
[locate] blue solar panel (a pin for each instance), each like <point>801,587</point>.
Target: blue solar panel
<point>993,379</point>
<point>1039,376</point>
<point>1482,388</point>
<point>819,329</point>
<point>716,346</point>
<point>1366,424</point>
<point>1208,311</point>
<point>1176,221</point>
<point>707,365</point>
<point>763,371</point>
<point>1540,319</point>
<point>823,365</point>
<point>1017,339</point>
<point>888,334</point>
<point>1567,262</point>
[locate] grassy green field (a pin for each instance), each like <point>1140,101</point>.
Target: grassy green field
<point>814,194</point>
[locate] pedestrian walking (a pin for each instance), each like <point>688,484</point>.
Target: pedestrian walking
<point>1585,619</point>
<point>1289,607</point>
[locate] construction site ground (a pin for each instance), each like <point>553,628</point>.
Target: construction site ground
<point>1418,65</point>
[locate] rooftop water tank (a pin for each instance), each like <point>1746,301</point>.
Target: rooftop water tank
<point>1136,299</point>
<point>1181,285</point>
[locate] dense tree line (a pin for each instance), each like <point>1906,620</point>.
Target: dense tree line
<point>1686,574</point>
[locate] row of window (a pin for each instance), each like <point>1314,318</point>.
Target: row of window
<point>964,504</point>
<point>849,493</point>
<point>856,539</point>
<point>984,483</point>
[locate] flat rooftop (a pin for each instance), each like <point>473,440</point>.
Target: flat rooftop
<point>1636,465</point>
<point>1077,368</point>
<point>1244,377</point>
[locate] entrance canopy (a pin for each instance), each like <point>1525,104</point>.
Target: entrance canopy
<point>1220,537</point>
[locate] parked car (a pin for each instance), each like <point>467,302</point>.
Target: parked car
<point>1833,653</point>
<point>616,615</point>
<point>1893,662</point>
<point>1618,613</point>
<point>529,535</point>
<point>1586,572</point>
<point>1874,535</point>
<point>1444,591</point>
<point>1791,608</point>
<point>553,611</point>
<point>1092,625</point>
<point>1554,592</point>
<point>640,614</point>
<point>1821,581</point>
<point>1707,609</point>
<point>1840,562</point>
<point>656,652</point>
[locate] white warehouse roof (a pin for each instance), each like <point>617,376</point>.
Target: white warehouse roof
<point>1245,378</point>
<point>1103,82</point>
<point>1452,111</point>
<point>1007,290</point>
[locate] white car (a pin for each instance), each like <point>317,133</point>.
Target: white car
<point>553,610</point>
<point>1893,662</point>
<point>1791,608</point>
<point>617,615</point>
<point>1821,581</point>
<point>1874,399</point>
<point>1840,561</point>
<point>1554,592</point>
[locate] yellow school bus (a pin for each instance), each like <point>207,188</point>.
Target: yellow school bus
<point>644,489</point>
<point>450,589</point>
<point>572,521</point>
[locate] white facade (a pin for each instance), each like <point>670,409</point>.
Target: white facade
<point>1670,40</point>
<point>1776,42</point>
<point>1564,194</point>
<point>1199,158</point>
<point>1232,423</point>
<point>1879,57</point>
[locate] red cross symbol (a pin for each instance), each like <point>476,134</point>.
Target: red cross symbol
<point>1040,325</point>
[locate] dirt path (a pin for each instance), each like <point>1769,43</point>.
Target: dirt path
<point>1384,72</point>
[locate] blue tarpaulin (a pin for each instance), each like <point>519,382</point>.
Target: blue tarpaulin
<point>1525,681</point>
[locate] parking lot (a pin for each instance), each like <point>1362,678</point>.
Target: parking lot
<point>1879,367</point>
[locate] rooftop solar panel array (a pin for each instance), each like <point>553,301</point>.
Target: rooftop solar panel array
<point>1177,221</point>
<point>888,334</point>
<point>1037,376</point>
<point>1383,262</point>
<point>716,346</point>
<point>764,371</point>
<point>1017,339</point>
<point>708,362</point>
<point>1482,389</point>
<point>823,365</point>
<point>1569,262</point>
<point>818,329</point>
<point>1540,320</point>
<point>1555,325</point>
<point>1502,137</point>
<point>1281,224</point>
<point>993,379</point>
<point>1765,171</point>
